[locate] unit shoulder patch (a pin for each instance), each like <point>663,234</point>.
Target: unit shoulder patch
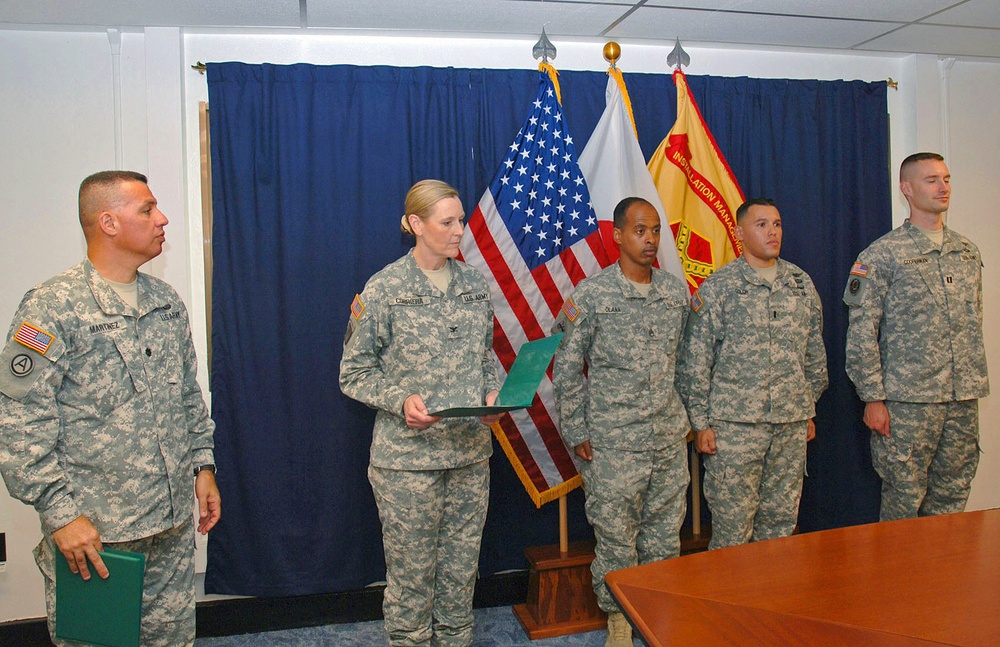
<point>857,286</point>
<point>21,368</point>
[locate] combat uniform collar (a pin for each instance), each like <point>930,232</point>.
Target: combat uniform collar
<point>950,242</point>
<point>783,277</point>
<point>421,286</point>
<point>629,291</point>
<point>111,304</point>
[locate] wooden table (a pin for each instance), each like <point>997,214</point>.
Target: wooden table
<point>933,580</point>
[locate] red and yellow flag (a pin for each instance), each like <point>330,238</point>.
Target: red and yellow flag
<point>700,194</point>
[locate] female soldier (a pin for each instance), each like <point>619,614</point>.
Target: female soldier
<point>420,340</point>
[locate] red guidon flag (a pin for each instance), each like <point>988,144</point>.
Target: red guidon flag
<point>534,235</point>
<point>699,191</point>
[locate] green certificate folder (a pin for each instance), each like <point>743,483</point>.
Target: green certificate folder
<point>98,611</point>
<point>522,381</point>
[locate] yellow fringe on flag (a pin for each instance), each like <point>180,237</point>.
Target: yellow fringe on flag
<point>554,75</point>
<point>617,75</point>
<point>539,498</point>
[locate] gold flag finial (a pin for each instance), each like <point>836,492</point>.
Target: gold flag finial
<point>612,52</point>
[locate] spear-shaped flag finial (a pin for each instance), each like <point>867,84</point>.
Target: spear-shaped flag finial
<point>544,49</point>
<point>677,56</point>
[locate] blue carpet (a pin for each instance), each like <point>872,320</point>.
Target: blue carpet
<point>495,627</point>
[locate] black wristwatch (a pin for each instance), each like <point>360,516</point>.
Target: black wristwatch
<point>208,467</point>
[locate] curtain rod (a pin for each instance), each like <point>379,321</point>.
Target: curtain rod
<point>200,68</point>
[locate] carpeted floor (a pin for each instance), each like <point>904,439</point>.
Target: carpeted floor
<point>495,627</point>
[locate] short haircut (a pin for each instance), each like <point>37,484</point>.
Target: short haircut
<point>97,193</point>
<point>917,157</point>
<point>421,198</point>
<point>753,202</point>
<point>621,209</point>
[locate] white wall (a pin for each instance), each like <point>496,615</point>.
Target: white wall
<point>56,102</point>
<point>973,100</point>
<point>57,98</point>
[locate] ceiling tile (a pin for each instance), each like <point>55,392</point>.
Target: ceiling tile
<point>945,41</point>
<point>153,13</point>
<point>712,27</point>
<point>482,16</point>
<point>894,10</point>
<point>967,27</point>
<point>975,13</point>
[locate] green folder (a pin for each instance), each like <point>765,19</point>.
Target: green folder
<point>98,611</point>
<point>522,381</point>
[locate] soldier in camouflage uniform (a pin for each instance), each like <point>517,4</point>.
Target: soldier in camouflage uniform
<point>753,368</point>
<point>915,350</point>
<point>420,340</point>
<point>626,421</point>
<point>102,425</point>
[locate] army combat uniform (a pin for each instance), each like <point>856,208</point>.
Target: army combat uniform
<point>406,337</point>
<point>101,416</point>
<point>630,412</point>
<point>753,368</point>
<point>915,341</point>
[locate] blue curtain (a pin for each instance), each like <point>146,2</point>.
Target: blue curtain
<point>310,166</point>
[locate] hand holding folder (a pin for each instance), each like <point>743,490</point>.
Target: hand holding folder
<point>521,384</point>
<point>103,612</point>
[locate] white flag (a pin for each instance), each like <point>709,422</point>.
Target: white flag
<point>614,168</point>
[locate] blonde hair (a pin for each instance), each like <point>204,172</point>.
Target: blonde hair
<point>420,200</point>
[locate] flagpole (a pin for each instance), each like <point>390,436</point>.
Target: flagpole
<point>560,598</point>
<point>563,526</point>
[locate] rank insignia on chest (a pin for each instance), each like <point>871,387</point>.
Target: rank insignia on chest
<point>572,312</point>
<point>34,338</point>
<point>696,302</point>
<point>859,269</point>
<point>357,308</point>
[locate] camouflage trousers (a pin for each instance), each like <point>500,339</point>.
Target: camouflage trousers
<point>168,597</point>
<point>929,460</point>
<point>635,502</point>
<point>432,527</point>
<point>753,482</point>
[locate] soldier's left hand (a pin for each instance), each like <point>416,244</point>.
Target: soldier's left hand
<point>490,399</point>
<point>209,501</point>
<point>704,441</point>
<point>811,430</point>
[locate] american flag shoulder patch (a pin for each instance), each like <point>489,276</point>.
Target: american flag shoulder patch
<point>859,269</point>
<point>572,312</point>
<point>696,302</point>
<point>34,338</point>
<point>357,308</point>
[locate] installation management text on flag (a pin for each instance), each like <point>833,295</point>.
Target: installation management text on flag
<point>534,236</point>
<point>614,167</point>
<point>699,191</point>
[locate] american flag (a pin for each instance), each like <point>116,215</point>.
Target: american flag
<point>535,236</point>
<point>33,338</point>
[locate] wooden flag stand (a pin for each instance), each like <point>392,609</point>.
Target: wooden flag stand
<point>561,597</point>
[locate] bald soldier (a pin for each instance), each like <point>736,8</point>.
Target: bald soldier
<point>915,350</point>
<point>103,428</point>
